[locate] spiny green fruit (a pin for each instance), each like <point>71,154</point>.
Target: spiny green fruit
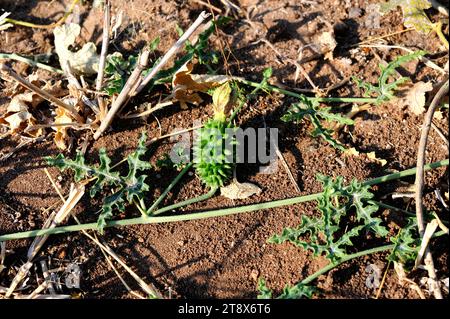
<point>211,152</point>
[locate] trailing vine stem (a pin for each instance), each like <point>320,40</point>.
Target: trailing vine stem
<point>208,214</point>
<point>168,189</point>
<point>298,95</point>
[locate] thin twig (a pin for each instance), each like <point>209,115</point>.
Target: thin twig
<point>291,61</point>
<point>41,93</point>
<point>173,50</point>
<point>380,37</point>
<point>21,145</point>
<point>124,283</point>
<point>147,112</point>
<point>148,288</point>
<point>134,77</point>
<point>419,182</point>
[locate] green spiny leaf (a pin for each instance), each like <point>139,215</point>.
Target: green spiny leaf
<point>322,234</point>
<point>361,200</point>
<point>114,200</point>
<point>264,291</point>
<point>310,108</point>
<point>384,90</point>
<point>407,244</point>
<point>135,163</point>
<point>129,187</point>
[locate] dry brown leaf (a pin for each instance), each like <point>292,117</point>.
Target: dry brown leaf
<point>17,116</point>
<point>236,190</point>
<point>372,156</point>
<point>186,85</point>
<point>415,98</point>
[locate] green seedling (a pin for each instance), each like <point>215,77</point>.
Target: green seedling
<point>307,108</point>
<point>129,188</point>
<point>201,49</point>
<point>198,50</point>
<point>117,71</point>
<point>385,90</point>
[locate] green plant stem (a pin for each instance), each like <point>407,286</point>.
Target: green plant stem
<point>208,214</point>
<point>168,189</point>
<point>319,99</point>
<point>28,61</point>
<point>187,202</point>
<point>330,266</point>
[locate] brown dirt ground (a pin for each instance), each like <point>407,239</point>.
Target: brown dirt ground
<point>222,257</point>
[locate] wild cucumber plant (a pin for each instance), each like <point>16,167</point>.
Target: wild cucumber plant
<point>289,292</point>
<point>323,235</point>
<point>230,211</point>
<point>384,90</point>
<point>201,50</point>
<point>129,188</point>
<point>324,232</point>
<point>213,159</point>
<point>311,109</point>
